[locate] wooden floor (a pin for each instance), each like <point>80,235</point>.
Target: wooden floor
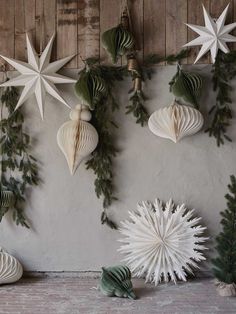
<point>78,296</point>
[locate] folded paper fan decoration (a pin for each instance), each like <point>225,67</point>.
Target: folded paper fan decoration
<point>39,76</point>
<point>162,242</point>
<point>10,268</point>
<point>213,36</point>
<point>77,138</point>
<point>116,281</point>
<point>175,122</point>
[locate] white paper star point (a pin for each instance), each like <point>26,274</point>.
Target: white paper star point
<point>213,36</point>
<point>38,76</point>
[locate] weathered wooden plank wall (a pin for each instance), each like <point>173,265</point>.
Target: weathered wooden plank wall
<point>158,25</point>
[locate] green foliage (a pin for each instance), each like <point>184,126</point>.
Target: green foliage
<point>223,72</point>
<point>186,85</point>
<point>225,264</point>
<point>153,59</point>
<point>101,161</point>
<point>19,167</point>
<point>136,106</point>
<point>117,41</point>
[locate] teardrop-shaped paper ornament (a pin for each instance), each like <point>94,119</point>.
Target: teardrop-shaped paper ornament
<point>77,138</point>
<point>7,199</point>
<point>116,281</point>
<point>175,122</point>
<point>10,268</point>
<point>187,85</point>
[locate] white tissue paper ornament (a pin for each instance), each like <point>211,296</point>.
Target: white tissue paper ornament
<point>39,76</point>
<point>162,242</point>
<point>10,268</point>
<point>175,122</point>
<point>77,138</point>
<point>213,36</point>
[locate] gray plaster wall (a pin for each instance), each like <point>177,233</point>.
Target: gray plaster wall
<point>66,234</point>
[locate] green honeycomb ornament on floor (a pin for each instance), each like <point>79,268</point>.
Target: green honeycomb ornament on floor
<point>116,281</point>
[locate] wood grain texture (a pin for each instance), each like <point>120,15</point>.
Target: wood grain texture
<point>24,23</point>
<point>136,9</point>
<point>88,30</point>
<point>195,16</point>
<point>67,30</point>
<point>158,26</point>
<point>110,14</point>
<point>155,27</point>
<point>217,7</point>
<point>7,8</point>
<point>176,30</point>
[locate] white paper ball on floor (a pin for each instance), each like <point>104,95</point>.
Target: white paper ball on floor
<point>162,242</point>
<point>10,268</point>
<point>77,138</point>
<point>175,122</point>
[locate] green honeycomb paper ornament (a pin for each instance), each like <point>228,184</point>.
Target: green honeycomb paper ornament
<point>188,86</point>
<point>90,88</point>
<point>116,281</point>
<point>7,199</point>
<point>116,41</point>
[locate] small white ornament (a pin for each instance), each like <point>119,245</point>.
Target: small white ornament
<point>77,138</point>
<point>175,122</point>
<point>39,76</point>
<point>213,36</point>
<point>10,268</point>
<point>162,242</point>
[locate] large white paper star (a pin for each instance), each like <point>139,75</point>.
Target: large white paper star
<point>213,36</point>
<point>38,76</point>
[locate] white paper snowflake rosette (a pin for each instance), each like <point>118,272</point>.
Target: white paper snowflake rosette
<point>162,242</point>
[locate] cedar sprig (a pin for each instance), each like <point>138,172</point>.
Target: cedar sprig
<point>223,72</point>
<point>136,106</point>
<point>19,167</point>
<point>101,161</point>
<point>225,263</point>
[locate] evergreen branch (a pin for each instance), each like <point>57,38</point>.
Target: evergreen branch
<point>101,161</point>
<point>225,263</point>
<point>223,72</point>
<point>19,167</point>
<point>136,106</point>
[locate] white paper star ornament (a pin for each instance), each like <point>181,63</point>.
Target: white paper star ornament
<point>39,76</point>
<point>213,36</point>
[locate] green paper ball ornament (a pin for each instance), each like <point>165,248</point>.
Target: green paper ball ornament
<point>90,88</point>
<point>116,281</point>
<point>188,86</point>
<point>117,41</point>
<point>7,199</point>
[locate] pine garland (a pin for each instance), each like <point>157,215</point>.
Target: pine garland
<point>101,161</point>
<point>225,264</point>
<point>19,167</point>
<point>223,72</point>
